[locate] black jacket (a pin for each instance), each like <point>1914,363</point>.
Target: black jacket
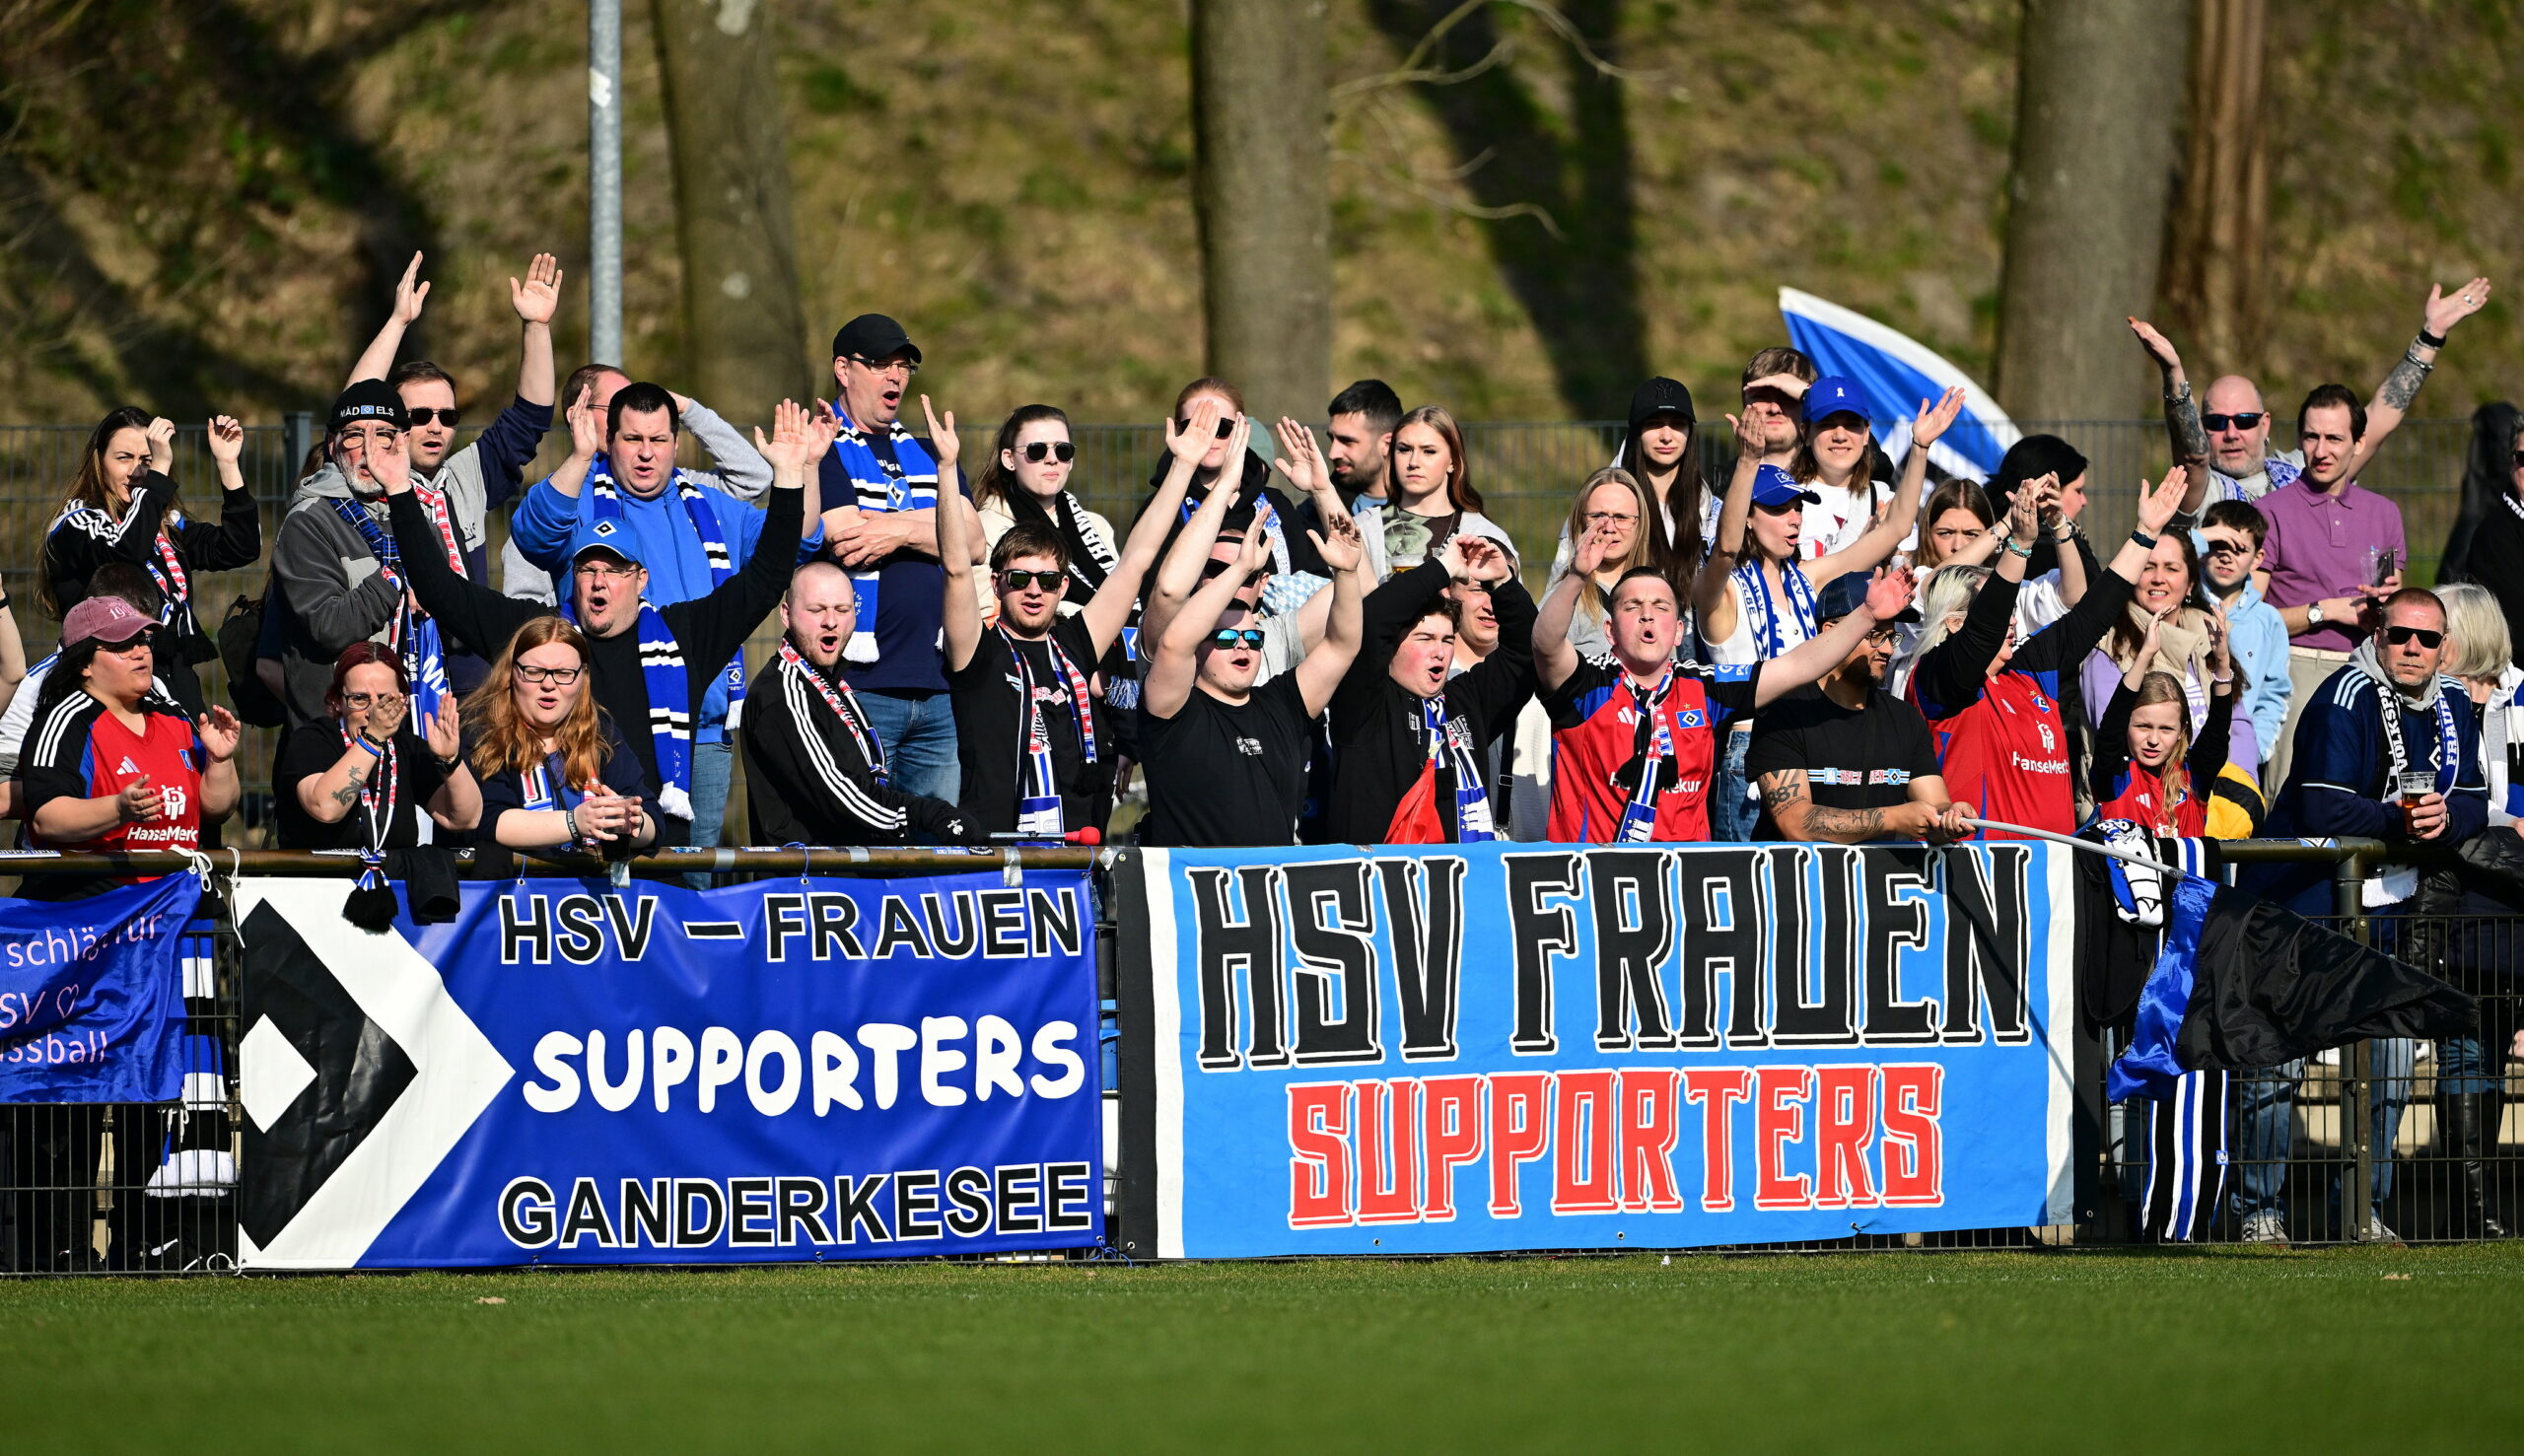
<point>808,780</point>
<point>85,540</point>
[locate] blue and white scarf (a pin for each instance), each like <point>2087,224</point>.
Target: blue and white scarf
<point>604,502</point>
<point>411,633</point>
<point>907,482</point>
<point>663,673</point>
<point>1448,737</point>
<point>1769,641</point>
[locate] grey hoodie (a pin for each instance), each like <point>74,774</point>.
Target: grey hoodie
<point>329,578</point>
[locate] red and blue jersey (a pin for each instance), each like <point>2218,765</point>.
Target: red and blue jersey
<point>80,750</point>
<point>1595,749</point>
<point>2006,753</point>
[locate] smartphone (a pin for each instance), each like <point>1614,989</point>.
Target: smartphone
<point>2384,568</point>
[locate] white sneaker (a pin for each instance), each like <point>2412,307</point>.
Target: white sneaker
<point>2377,1233</point>
<point>2268,1228</point>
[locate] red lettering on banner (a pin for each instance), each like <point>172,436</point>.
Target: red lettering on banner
<point>1649,1126</point>
<point>1319,1155</point>
<point>1449,1137</point>
<point>1915,1178</point>
<point>1844,1124</point>
<point>1779,1120</point>
<point>1519,1131</point>
<point>1389,1141</point>
<point>1718,1089</point>
<point>1583,1172</point>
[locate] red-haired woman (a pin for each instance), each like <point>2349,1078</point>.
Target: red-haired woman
<point>362,779</point>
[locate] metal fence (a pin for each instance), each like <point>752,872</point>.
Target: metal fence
<point>141,1189</point>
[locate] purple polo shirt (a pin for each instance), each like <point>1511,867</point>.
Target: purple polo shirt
<point>2317,548</point>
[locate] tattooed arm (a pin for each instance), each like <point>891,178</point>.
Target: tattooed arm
<point>2392,397</point>
<point>2183,430</point>
<point>328,797</point>
<point>1789,801</point>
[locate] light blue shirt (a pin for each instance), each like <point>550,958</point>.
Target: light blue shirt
<point>667,546</point>
<point>2258,638</point>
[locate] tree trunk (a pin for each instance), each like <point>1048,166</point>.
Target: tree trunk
<point>745,331</point>
<point>2099,83</point>
<point>2221,210</point>
<point>1259,112</point>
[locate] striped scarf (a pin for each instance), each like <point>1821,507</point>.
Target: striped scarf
<point>907,482</point>
<point>411,633</point>
<point>604,502</point>
<point>663,673</point>
<point>1768,632</point>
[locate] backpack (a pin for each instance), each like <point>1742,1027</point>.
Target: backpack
<point>241,637</point>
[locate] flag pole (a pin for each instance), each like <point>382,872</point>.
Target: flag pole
<point>2089,846</point>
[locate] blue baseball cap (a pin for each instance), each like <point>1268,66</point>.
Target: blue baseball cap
<point>610,536</point>
<point>1833,395</point>
<point>1772,486</point>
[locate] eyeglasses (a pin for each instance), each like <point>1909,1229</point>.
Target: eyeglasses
<point>1060,450</point>
<point>1609,518</point>
<point>557,676</point>
<point>605,569</point>
<point>2426,637</point>
<point>1048,581</point>
<point>366,700</point>
<point>885,366</point>
<point>2244,421</point>
<point>1231,637</point>
<point>1882,635</point>
<point>422,416</point>
<point>1227,426</point>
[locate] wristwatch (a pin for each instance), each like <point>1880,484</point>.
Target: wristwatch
<point>2314,615</point>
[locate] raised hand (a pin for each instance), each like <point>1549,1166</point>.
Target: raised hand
<point>1298,459</point>
<point>410,293</point>
<point>2152,643</point>
<point>2221,662</point>
<point>390,464</point>
<point>786,447</point>
<point>2024,512</point>
<point>2445,309</point>
<point>1256,551</point>
<point>535,300</point>
<point>821,429</point>
<point>2157,504</point>
<point>138,804</point>
<point>1238,438</point>
<point>226,439</point>
<point>1482,559</point>
<point>587,425</point>
<point>1889,593</point>
<point>1748,435</point>
<point>1935,419</point>
<point>1200,426</point>
<point>1587,557</point>
<point>2158,347</point>
<point>1338,544</point>
<point>386,716</point>
<point>945,446</point>
<point>444,729</point>
<point>162,445</point>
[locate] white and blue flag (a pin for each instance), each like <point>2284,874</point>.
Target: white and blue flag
<point>1898,371</point>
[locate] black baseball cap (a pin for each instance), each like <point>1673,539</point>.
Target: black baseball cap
<point>1660,396</point>
<point>370,399</point>
<point>1844,594</point>
<point>873,336</point>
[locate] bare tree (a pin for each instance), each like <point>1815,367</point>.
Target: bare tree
<point>1260,155</point>
<point>745,331</point>
<point>2100,85</point>
<point>2221,210</point>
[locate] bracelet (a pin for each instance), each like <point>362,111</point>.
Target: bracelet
<point>2431,340</point>
<point>2013,549</point>
<point>570,817</point>
<point>2142,538</point>
<point>2424,366</point>
<point>450,763</point>
<point>4,601</point>
<point>361,741</point>
<point>2226,681</point>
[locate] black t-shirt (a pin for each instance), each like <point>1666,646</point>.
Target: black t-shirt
<point>1226,775</point>
<point>315,747</point>
<point>1862,758</point>
<point>622,773</point>
<point>991,722</point>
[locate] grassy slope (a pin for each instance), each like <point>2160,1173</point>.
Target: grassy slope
<point>2338,1350</point>
<point>1011,179</point>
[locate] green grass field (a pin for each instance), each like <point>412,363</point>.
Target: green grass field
<point>2337,1351</point>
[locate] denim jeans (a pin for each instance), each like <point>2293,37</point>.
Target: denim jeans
<point>1732,814</point>
<point>710,766</point>
<point>918,730</point>
<point>2264,1127</point>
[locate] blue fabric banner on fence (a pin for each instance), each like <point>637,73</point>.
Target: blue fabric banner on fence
<point>92,995</point>
<point>1498,1046</point>
<point>570,1074</point>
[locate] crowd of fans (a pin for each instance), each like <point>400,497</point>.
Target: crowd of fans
<point>1321,639</point>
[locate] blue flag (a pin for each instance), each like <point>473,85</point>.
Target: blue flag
<point>91,1002</point>
<point>1898,371</point>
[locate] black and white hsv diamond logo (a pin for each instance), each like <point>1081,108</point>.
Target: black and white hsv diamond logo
<point>358,1072</point>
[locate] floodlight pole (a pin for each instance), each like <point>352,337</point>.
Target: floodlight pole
<point>604,182</point>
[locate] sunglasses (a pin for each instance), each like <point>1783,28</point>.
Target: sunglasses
<point>1231,637</point>
<point>1059,450</point>
<point>2243,421</point>
<point>1048,581</point>
<point>557,676</point>
<point>2427,637</point>
<point>421,416</point>
<point>1227,426</point>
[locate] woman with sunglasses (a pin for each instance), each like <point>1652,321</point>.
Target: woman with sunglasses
<point>1025,483</point>
<point>121,507</point>
<point>363,779</point>
<point>555,772</point>
<point>1993,702</point>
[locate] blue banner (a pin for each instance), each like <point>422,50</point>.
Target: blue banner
<point>571,1073</point>
<point>1487,1047</point>
<point>92,995</point>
